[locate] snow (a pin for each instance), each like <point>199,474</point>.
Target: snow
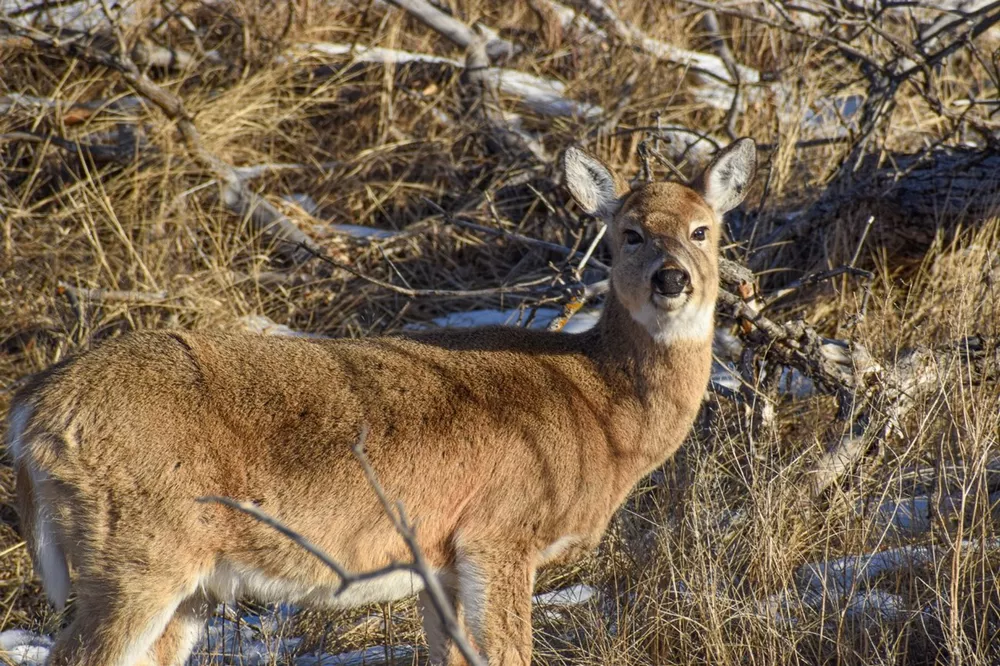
<point>259,640</point>
<point>582,321</point>
<point>24,647</point>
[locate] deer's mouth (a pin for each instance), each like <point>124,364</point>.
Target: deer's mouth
<point>671,302</point>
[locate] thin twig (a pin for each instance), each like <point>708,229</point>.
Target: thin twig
<point>346,578</point>
<point>397,514</point>
<point>814,279</point>
<point>578,273</point>
<point>520,287</point>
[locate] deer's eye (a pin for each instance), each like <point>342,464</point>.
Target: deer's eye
<point>632,237</point>
<point>699,234</point>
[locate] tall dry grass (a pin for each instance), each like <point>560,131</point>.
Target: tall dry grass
<point>691,561</point>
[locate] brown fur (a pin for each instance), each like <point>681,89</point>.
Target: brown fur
<point>498,441</point>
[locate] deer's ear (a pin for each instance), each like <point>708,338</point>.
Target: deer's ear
<point>595,188</point>
<point>725,182</point>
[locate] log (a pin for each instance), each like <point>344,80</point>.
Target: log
<point>912,196</point>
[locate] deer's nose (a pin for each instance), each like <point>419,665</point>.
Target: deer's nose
<point>670,281</point>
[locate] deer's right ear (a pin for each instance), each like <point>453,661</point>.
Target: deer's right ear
<point>595,188</point>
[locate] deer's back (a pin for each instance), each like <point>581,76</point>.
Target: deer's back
<point>486,416</point>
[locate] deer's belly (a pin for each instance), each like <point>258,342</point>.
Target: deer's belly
<point>229,583</point>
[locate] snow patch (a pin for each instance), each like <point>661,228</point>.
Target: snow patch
<point>260,640</point>
<point>582,321</point>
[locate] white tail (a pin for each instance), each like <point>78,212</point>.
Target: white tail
<point>510,448</point>
<point>46,550</point>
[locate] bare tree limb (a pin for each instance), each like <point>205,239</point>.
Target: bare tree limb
<point>346,578</point>
<point>531,285</point>
<point>718,83</point>
<point>401,523</point>
<point>543,96</point>
<point>452,29</point>
<point>113,295</point>
<point>482,101</point>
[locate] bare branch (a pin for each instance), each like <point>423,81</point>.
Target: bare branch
<point>543,96</point>
<point>112,295</point>
<point>397,514</point>
<point>346,578</point>
<point>576,303</point>
<point>531,285</point>
<point>482,101</point>
<point>452,29</point>
<point>814,279</point>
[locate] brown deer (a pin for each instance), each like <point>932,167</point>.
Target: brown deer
<point>509,448</point>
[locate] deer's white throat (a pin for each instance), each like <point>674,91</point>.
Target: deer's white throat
<point>690,322</point>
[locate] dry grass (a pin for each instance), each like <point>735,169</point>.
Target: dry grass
<point>720,529</point>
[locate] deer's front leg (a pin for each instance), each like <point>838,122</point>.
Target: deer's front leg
<point>495,593</point>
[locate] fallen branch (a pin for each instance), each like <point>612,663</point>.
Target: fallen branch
<point>452,29</point>
<point>917,374</point>
<point>920,193</point>
<point>717,82</point>
<point>796,345</point>
<point>481,95</point>
<point>112,295</point>
<point>250,172</point>
<point>543,96</point>
<point>126,151</point>
<point>72,113</point>
<point>531,285</point>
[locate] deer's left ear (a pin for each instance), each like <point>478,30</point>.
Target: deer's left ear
<point>725,182</point>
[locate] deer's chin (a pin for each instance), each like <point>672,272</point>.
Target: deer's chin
<point>671,303</point>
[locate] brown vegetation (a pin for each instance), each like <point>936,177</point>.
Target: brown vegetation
<point>151,178</point>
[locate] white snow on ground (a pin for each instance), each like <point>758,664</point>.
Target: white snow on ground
<point>24,647</point>
<point>80,15</point>
<point>258,640</point>
<point>583,320</point>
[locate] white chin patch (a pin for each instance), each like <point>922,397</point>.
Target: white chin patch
<point>689,322</point>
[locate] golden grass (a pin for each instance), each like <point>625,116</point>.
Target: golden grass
<point>701,544</point>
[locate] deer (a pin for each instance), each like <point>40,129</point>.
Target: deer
<point>510,448</point>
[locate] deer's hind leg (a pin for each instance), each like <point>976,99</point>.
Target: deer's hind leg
<point>178,639</point>
<point>118,619</point>
<point>443,651</point>
<point>494,589</point>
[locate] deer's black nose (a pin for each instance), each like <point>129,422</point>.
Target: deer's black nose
<point>670,281</point>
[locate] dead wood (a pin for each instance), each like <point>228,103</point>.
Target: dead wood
<point>913,197</point>
<point>543,96</point>
<point>454,30</point>
<point>895,391</point>
<point>481,99</point>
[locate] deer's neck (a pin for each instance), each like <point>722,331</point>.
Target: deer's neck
<point>658,381</point>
